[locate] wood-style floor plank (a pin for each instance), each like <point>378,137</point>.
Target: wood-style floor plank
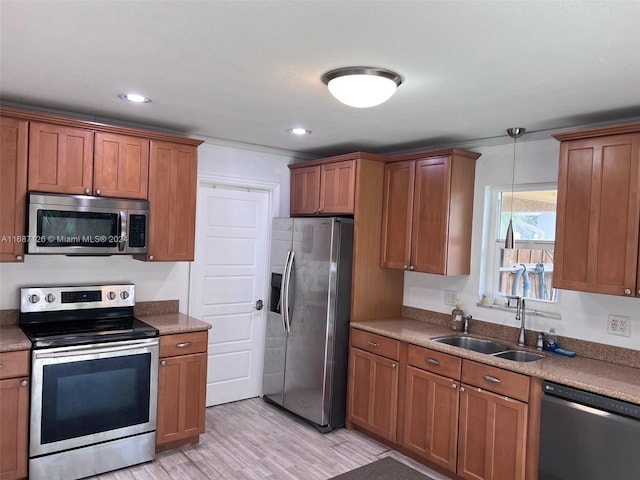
<point>253,440</point>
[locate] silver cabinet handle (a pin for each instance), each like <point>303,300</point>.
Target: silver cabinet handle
<point>373,344</point>
<point>150,257</point>
<point>19,258</point>
<point>1,365</point>
<point>24,383</point>
<point>453,385</point>
<point>406,267</point>
<point>163,363</point>
<point>87,191</point>
<point>432,361</point>
<point>491,379</point>
<point>394,365</point>
<point>462,389</point>
<point>183,345</point>
<point>411,267</point>
<point>98,192</point>
<point>627,291</point>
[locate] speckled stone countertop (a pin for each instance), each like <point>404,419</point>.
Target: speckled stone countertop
<point>12,338</point>
<point>170,323</point>
<point>610,379</point>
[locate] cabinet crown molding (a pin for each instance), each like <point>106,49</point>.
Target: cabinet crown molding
<point>598,132</point>
<point>97,126</point>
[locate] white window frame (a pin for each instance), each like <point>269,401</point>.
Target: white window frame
<point>495,244</point>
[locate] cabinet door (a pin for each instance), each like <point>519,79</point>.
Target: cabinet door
<point>492,436</point>
<point>430,215</point>
<point>598,219</point>
<point>14,409</point>
<point>121,166</point>
<point>60,159</point>
<point>397,213</point>
<point>431,417</point>
<point>305,191</point>
<point>373,393</point>
<point>173,183</point>
<point>182,384</point>
<point>13,188</point>
<point>337,187</point>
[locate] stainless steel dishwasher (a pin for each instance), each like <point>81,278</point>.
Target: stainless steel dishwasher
<point>585,436</point>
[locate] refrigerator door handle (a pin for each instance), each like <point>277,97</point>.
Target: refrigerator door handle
<point>287,284</point>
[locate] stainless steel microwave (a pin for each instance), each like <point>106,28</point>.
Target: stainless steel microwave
<point>84,225</point>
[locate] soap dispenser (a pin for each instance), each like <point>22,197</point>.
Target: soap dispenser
<point>457,316</point>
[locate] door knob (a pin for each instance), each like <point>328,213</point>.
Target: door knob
<point>259,305</point>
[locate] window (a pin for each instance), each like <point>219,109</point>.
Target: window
<point>527,270</point>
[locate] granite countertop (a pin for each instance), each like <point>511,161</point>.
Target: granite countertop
<point>610,379</point>
<point>170,323</point>
<point>12,338</point>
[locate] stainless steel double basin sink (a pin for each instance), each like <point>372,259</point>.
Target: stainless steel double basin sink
<point>489,347</point>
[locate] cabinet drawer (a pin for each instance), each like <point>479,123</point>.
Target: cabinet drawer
<point>436,362</point>
<point>497,380</point>
<point>370,342</point>
<point>14,364</point>
<point>183,344</point>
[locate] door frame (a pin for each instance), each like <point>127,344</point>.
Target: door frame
<point>273,203</point>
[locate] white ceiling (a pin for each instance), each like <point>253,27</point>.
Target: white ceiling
<point>247,71</point>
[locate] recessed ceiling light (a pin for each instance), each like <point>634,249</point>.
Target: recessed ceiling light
<point>299,131</point>
<point>134,97</point>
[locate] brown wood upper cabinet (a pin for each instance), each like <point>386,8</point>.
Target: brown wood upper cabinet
<point>427,212</point>
<point>323,189</point>
<point>13,187</point>
<point>173,183</point>
<point>598,219</point>
<point>64,159</point>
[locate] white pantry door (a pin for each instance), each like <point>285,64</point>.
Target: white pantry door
<point>229,277</point>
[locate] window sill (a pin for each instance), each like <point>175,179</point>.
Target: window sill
<point>529,311</point>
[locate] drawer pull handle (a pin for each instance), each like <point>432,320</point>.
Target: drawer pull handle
<point>373,344</point>
<point>183,345</point>
<point>491,379</point>
<point>24,383</point>
<point>1,365</point>
<point>393,365</point>
<point>453,385</point>
<point>432,361</point>
<point>163,363</point>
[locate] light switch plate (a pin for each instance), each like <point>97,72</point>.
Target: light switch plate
<point>450,297</point>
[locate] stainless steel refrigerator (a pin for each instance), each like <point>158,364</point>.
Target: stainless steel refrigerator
<point>307,335</point>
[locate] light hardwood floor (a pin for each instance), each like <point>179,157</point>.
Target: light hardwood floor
<point>252,440</point>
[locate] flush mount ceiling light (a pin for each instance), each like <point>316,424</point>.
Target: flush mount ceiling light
<point>298,131</point>
<point>362,87</point>
<point>134,98</point>
<point>514,133</point>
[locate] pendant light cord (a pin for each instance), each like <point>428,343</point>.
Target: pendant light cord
<point>513,175</point>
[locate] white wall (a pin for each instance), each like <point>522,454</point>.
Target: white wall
<point>154,280</point>
<point>583,315</point>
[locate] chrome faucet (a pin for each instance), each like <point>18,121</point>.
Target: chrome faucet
<point>467,319</point>
<point>519,312</point>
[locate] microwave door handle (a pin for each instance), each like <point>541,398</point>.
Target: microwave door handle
<point>122,230</point>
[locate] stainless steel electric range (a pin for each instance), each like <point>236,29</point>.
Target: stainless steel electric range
<point>94,380</point>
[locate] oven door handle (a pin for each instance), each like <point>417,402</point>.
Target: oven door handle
<point>95,350</point>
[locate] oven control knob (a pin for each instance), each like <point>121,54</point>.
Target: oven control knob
<point>49,298</point>
<point>124,295</point>
<point>34,298</point>
<point>111,295</point>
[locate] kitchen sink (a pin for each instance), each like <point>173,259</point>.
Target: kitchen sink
<point>519,355</point>
<point>475,344</point>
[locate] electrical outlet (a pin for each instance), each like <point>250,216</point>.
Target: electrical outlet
<point>619,325</point>
<point>450,297</point>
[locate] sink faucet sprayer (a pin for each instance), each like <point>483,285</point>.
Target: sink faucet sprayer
<point>467,319</point>
<point>519,312</point>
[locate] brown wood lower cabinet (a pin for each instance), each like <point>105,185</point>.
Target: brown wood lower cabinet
<point>493,435</point>
<point>464,418</point>
<point>182,382</point>
<point>14,414</point>
<point>373,393</point>
<point>431,417</point>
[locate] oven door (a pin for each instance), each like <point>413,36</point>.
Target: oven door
<point>83,395</point>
